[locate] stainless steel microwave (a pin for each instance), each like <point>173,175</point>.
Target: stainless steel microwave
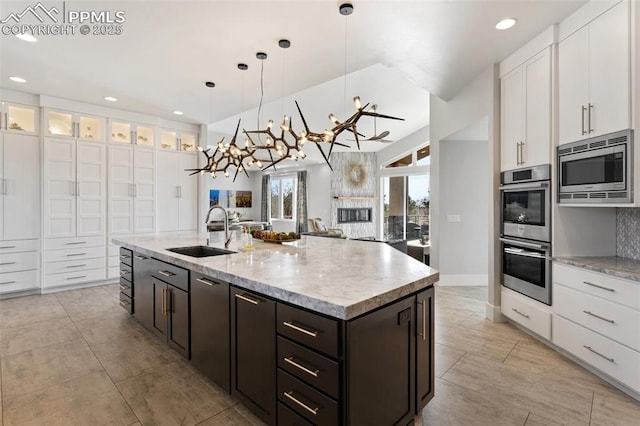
<point>597,170</point>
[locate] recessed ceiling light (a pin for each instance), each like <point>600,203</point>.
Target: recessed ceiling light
<point>110,98</point>
<point>505,24</point>
<point>178,112</point>
<point>18,79</point>
<point>27,37</point>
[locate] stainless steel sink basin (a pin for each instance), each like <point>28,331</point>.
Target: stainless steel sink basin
<point>200,251</point>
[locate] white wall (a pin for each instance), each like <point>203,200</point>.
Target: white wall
<point>404,145</point>
<point>319,191</point>
<point>464,178</point>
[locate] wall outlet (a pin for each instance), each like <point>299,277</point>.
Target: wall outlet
<point>453,218</point>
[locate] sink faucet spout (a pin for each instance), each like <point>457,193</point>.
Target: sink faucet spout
<point>227,234</point>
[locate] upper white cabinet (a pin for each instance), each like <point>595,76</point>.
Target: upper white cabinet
<point>132,133</point>
<point>17,118</point>
<point>75,189</point>
<point>177,192</point>
<point>593,79</point>
<point>525,107</point>
<point>19,187</point>
<point>177,140</point>
<point>73,125</point>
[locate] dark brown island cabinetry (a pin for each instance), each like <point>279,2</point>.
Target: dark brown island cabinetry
<point>126,279</point>
<point>143,290</point>
<point>210,329</point>
<point>171,312</point>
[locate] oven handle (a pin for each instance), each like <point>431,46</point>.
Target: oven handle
<point>542,246</point>
<point>526,185</point>
<point>526,254</point>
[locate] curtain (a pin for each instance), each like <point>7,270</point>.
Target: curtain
<point>301,206</point>
<point>266,198</point>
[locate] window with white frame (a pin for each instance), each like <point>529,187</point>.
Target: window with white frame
<point>283,197</point>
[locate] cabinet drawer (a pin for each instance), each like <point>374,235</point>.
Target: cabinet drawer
<point>172,274</point>
<point>307,365</point>
<point>13,262</point>
<point>18,246</point>
<point>614,289</point>
<point>126,302</point>
<point>614,359</point>
<point>306,401</point>
<point>616,322</point>
<point>126,272</point>
<point>309,329</point>
<point>288,417</point>
<point>73,265</point>
<point>74,242</point>
<point>126,287</point>
<point>126,256</point>
<point>79,253</point>
<point>525,311</point>
<point>19,281</point>
<point>73,278</point>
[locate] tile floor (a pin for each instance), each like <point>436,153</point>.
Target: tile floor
<point>76,358</point>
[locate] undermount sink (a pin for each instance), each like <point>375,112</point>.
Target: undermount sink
<point>200,251</point>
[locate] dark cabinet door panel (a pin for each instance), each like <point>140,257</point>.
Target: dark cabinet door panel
<point>160,309</point>
<point>172,274</point>
<point>381,366</point>
<point>178,336</point>
<point>424,348</point>
<point>144,299</point>
<point>313,330</point>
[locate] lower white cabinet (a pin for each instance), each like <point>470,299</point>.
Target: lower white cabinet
<point>177,192</point>
<point>527,312</point>
<point>73,261</point>
<point>19,266</point>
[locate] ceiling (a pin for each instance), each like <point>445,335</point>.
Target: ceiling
<point>397,52</point>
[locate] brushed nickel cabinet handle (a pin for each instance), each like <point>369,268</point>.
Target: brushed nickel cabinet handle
<point>74,243</point>
<point>124,272</point>
<point>123,287</point>
<point>584,109</point>
<point>7,282</point>
<point>599,286</point>
<point>141,257</point>
<point>76,278</point>
<point>164,303</point>
<point>590,349</point>
<point>424,319</point>
<point>206,281</point>
<point>291,360</point>
<point>124,304</point>
<point>7,247</point>
<point>247,299</point>
<point>75,266</point>
<point>599,317</point>
<point>313,411</point>
<point>166,273</point>
<point>125,256</point>
<point>76,254</point>
<point>590,109</point>
<point>300,329</point>
<point>7,263</point>
<point>520,313</point>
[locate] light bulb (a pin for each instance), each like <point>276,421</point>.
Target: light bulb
<point>220,145</point>
<point>356,101</point>
<point>269,141</point>
<point>213,174</point>
<point>259,163</point>
<point>250,163</point>
<point>199,148</point>
<point>303,140</point>
<point>302,154</point>
<point>285,123</point>
<point>269,124</point>
<point>226,173</point>
<point>333,119</point>
<point>201,172</point>
<point>247,143</point>
<point>226,145</point>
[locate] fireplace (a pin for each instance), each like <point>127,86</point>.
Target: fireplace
<point>354,215</point>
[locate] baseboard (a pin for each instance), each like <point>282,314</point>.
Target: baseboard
<point>493,313</point>
<point>466,280</point>
<point>79,286</point>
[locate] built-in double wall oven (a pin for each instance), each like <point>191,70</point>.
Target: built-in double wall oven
<point>526,231</point>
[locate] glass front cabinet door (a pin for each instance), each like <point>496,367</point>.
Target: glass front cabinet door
<point>73,125</point>
<point>16,118</point>
<point>121,132</point>
<point>168,139</point>
<point>132,133</point>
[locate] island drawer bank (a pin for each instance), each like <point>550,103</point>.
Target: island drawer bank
<point>292,364</point>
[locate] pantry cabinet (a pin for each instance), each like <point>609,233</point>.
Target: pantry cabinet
<point>177,192</point>
<point>593,77</point>
<point>526,113</point>
<point>73,125</point>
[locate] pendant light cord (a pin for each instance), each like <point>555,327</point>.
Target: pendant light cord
<point>344,105</point>
<point>284,52</point>
<point>261,91</point>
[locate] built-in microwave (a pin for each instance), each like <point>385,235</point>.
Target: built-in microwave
<point>597,170</point>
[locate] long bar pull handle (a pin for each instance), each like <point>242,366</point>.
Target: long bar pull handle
<point>74,243</point>
<point>124,272</point>
<point>7,282</point>
<point>166,273</point>
<point>247,299</point>
<point>590,109</point>
<point>75,266</point>
<point>313,411</point>
<point>520,313</point>
<point>76,254</point>
<point>599,317</point>
<point>7,247</point>
<point>599,286</point>
<point>584,109</point>
<point>424,319</point>
<point>206,281</point>
<point>590,349</point>
<point>6,121</point>
<point>291,360</point>
<point>300,329</point>
<point>7,263</point>
<point>162,304</point>
<point>140,257</point>
<point>124,256</point>
<point>76,278</point>
<point>522,152</point>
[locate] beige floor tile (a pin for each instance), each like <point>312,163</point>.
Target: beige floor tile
<point>19,339</point>
<point>613,408</point>
<point>565,404</point>
<point>95,306</point>
<point>536,420</point>
<point>504,330</point>
<point>20,311</point>
<point>106,328</point>
<point>46,366</point>
<point>237,415</point>
<point>478,293</point>
<point>455,405</point>
<point>173,395</point>
<point>451,316</point>
<point>132,354</point>
<point>81,295</point>
<point>445,358</point>
<point>91,399</point>
<point>112,290</point>
<point>472,341</point>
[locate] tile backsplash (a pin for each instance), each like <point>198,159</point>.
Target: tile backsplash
<point>628,232</point>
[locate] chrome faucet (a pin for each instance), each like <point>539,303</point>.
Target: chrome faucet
<point>227,235</point>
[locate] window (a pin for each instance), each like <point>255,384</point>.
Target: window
<point>283,197</point>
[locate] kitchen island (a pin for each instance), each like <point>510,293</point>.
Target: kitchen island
<point>317,331</point>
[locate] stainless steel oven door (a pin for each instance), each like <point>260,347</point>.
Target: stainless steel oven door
<point>526,268</point>
<point>526,210</point>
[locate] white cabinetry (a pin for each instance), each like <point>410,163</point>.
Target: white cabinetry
<point>526,113</point>
<point>596,318</point>
<point>177,140</point>
<point>73,125</point>
<point>20,266</point>
<point>17,118</point>
<point>593,79</point>
<point>132,133</point>
<point>73,261</point>
<point>527,312</point>
<point>177,192</point>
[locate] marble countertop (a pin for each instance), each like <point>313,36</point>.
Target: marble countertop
<point>620,267</point>
<point>336,277</point>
